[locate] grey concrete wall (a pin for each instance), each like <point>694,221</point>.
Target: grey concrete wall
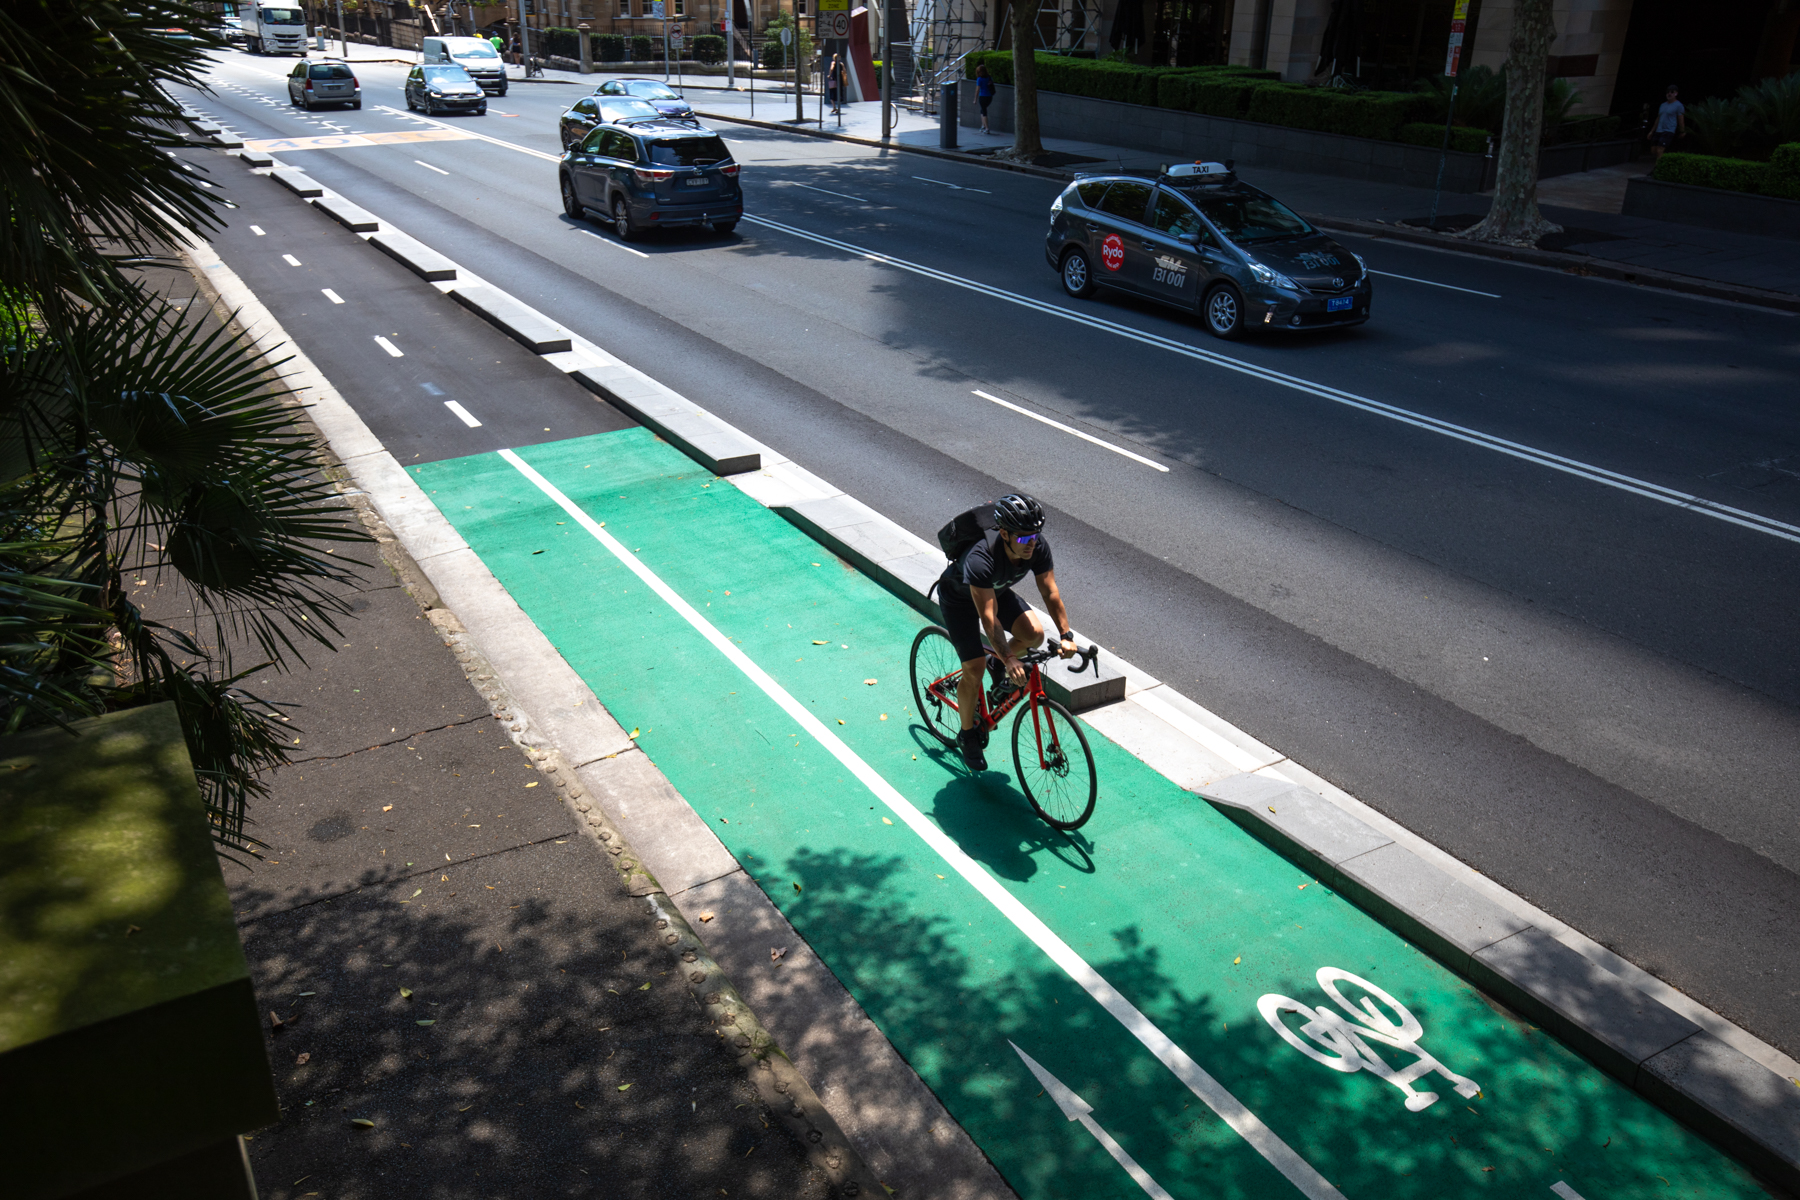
<point>1185,136</point>
<point>1712,208</point>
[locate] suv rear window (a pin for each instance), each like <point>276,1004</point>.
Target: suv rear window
<point>332,71</point>
<point>688,152</point>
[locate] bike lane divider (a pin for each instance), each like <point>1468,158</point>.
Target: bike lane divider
<point>966,928</point>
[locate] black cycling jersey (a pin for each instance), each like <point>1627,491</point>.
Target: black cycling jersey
<point>987,564</point>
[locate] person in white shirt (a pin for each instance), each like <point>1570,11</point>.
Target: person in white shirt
<point>1671,123</point>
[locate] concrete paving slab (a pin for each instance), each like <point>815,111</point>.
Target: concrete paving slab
<point>523,324</point>
<point>401,503</point>
<point>669,837</point>
<point>1421,901</point>
<point>350,216</point>
<point>1322,832</point>
<point>1742,1105</point>
<point>414,255</point>
<point>297,182</point>
<point>1159,745</point>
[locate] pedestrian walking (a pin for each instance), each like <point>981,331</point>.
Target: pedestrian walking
<point>499,43</point>
<point>1671,123</point>
<point>984,93</point>
<point>518,51</point>
<point>837,84</point>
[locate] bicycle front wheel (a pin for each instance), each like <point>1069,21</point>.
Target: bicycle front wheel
<point>1054,764</point>
<point>935,672</point>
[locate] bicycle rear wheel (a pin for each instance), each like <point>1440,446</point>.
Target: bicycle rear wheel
<point>1054,764</point>
<point>934,658</point>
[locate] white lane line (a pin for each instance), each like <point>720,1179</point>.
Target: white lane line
<point>1229,1108</point>
<point>332,296</point>
<point>809,187</point>
<point>467,133</point>
<point>389,347</point>
<point>258,230</point>
<point>1565,1191</point>
<point>290,260</point>
<point>1435,283</point>
<point>1086,437</point>
<point>955,187</point>
<point>595,233</point>
<point>1461,433</point>
<point>429,167</point>
<point>463,414</point>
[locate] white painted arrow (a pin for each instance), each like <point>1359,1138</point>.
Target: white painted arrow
<point>1077,1109</point>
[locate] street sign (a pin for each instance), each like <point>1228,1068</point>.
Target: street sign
<point>1458,19</point>
<point>656,9</point>
<point>834,24</point>
<point>787,36</point>
<point>675,39</point>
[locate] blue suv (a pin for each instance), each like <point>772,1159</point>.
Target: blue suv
<point>652,175</point>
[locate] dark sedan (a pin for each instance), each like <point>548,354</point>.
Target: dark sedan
<point>444,87</point>
<point>667,101</point>
<point>590,112</point>
<point>1196,237</point>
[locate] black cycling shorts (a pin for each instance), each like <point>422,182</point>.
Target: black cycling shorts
<point>964,622</point>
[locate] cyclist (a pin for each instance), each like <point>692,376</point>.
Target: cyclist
<point>976,596</point>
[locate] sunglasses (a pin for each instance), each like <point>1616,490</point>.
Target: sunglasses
<point>1023,539</point>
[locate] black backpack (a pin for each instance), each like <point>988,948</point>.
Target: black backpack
<point>965,529</point>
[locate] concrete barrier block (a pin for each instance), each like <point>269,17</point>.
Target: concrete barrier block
<point>1596,1012</point>
<point>297,182</point>
<point>525,325</point>
<point>1428,905</point>
<point>1307,822</point>
<point>414,255</point>
<point>257,158</point>
<point>356,220</point>
<point>1751,1111</point>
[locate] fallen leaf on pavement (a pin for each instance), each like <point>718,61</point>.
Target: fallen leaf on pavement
<point>706,916</point>
<point>417,894</point>
<point>646,986</point>
<point>817,642</point>
<point>533,784</point>
<point>303,1059</point>
<point>1237,960</point>
<point>387,808</point>
<point>777,953</point>
<point>624,1087</point>
<point>406,993</point>
<point>634,733</point>
<point>887,820</point>
<point>433,1022</point>
<point>275,1022</point>
<point>870,682</point>
<point>362,1122</point>
<point>798,888</point>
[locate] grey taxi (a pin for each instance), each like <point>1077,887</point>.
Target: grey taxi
<point>1195,236</point>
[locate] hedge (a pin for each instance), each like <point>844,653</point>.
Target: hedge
<point>1431,133</point>
<point>1705,170</point>
<point>1214,94</point>
<point>640,48</point>
<point>1127,83</point>
<point>1327,110</point>
<point>612,47</point>
<point>1780,176</point>
<point>709,48</point>
<point>560,41</point>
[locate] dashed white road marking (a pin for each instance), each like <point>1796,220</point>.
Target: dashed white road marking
<point>1435,283</point>
<point>1086,437</point>
<point>809,187</point>
<point>258,231</point>
<point>604,240</point>
<point>467,417</point>
<point>290,260</point>
<point>429,167</point>
<point>332,296</point>
<point>955,187</point>
<point>389,347</point>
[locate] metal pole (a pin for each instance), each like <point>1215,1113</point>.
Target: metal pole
<point>731,53</point>
<point>343,37</point>
<point>524,40</point>
<point>887,69</point>
<point>799,109</point>
<point>666,40</point>
<point>1443,156</point>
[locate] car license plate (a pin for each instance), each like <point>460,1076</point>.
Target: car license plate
<point>1339,304</point>
<point>699,182</point>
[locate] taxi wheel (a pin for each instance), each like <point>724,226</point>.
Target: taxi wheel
<point>1224,310</point>
<point>1077,275</point>
<point>571,205</point>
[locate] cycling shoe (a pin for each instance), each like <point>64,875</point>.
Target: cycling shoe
<point>972,742</point>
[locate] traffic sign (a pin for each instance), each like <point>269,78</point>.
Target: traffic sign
<point>834,24</point>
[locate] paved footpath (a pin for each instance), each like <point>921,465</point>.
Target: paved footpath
<point>1221,1016</point>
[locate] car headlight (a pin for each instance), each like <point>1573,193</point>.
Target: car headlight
<point>1275,278</point>
<point>1360,262</point>
<point>435,92</point>
<point>1056,206</point>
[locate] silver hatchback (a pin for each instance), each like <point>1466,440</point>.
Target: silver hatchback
<point>315,81</point>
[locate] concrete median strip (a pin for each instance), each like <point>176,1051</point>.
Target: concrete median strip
<point>415,256</point>
<point>356,220</point>
<point>1730,1086</point>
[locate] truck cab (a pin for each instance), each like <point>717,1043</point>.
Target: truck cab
<point>271,30</point>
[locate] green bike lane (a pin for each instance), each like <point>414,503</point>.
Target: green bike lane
<point>1234,1028</point>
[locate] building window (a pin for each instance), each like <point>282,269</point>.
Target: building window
<point>681,8</point>
<point>624,8</point>
<point>799,8</point>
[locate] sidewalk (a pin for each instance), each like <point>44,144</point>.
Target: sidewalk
<point>464,995</point>
<point>1586,205</point>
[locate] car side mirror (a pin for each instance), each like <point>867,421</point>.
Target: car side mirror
<point>1192,239</point>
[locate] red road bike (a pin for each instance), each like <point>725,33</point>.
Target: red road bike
<point>1050,752</point>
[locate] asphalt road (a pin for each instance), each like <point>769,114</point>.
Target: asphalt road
<point>1585,693</point>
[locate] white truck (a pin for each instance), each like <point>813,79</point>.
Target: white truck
<point>273,30</point>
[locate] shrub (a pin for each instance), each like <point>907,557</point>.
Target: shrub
<point>640,48</point>
<point>1356,114</point>
<point>1718,127</point>
<point>1783,178</point>
<point>709,48</point>
<point>612,47</point>
<point>1705,170</point>
<point>1215,93</point>
<point>1582,129</point>
<point>562,42</point>
<point>1431,133</point>
<point>772,48</point>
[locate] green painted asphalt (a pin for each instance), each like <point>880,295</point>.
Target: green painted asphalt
<point>1186,916</point>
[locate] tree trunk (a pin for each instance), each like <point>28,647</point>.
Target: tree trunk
<point>1027,146</point>
<point>1514,219</point>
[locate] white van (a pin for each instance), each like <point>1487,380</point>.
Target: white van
<point>475,55</point>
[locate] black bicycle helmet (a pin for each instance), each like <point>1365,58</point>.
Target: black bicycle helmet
<point>1018,513</point>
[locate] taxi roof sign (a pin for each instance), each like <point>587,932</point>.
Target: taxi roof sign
<point>1189,170</point>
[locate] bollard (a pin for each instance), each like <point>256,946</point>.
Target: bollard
<point>948,116</point>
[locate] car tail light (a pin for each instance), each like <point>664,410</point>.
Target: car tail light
<point>729,169</point>
<point>309,85</point>
<point>653,176</point>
